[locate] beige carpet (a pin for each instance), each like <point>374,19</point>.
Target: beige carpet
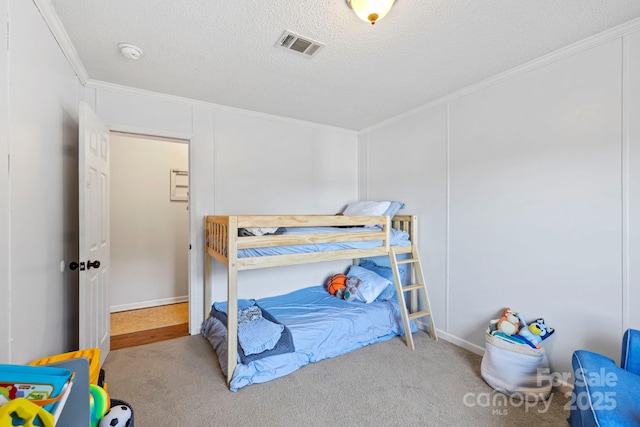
<point>179,383</point>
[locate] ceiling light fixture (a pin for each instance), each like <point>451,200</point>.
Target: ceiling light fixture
<point>130,51</point>
<point>371,10</point>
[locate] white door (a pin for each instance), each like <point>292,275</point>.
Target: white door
<point>93,159</point>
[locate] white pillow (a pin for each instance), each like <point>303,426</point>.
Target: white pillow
<point>366,208</point>
<point>372,283</point>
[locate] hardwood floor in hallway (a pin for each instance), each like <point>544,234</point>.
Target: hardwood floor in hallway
<point>147,325</point>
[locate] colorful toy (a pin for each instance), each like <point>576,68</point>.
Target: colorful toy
<point>99,403</point>
<point>118,416</point>
<point>26,413</point>
<point>350,291</point>
<point>535,332</point>
<point>336,282</point>
<point>508,323</point>
<point>4,395</point>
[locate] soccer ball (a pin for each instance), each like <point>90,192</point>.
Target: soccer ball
<point>118,416</point>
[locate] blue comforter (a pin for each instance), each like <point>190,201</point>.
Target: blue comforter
<point>321,325</point>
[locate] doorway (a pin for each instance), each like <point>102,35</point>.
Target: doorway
<point>149,277</point>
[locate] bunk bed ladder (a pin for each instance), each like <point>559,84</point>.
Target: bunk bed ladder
<point>417,291</point>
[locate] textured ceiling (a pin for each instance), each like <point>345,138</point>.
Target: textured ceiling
<point>224,51</point>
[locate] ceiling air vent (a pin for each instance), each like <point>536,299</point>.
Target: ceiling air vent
<point>300,44</point>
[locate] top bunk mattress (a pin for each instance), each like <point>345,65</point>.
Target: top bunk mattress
<point>397,238</point>
<point>321,325</point>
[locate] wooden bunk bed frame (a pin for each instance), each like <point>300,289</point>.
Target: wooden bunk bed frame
<point>222,243</point>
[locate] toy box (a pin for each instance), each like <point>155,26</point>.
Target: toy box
<point>92,354</point>
<point>40,384</point>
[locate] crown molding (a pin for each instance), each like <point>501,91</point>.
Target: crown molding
<point>555,56</point>
<point>112,87</point>
<point>62,38</point>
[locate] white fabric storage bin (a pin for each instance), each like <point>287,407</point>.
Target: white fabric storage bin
<point>517,370</point>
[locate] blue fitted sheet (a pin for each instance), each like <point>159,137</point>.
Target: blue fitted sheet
<point>322,326</point>
<point>397,238</point>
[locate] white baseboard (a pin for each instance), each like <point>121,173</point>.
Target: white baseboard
<point>147,304</point>
<point>452,339</point>
<point>461,343</point>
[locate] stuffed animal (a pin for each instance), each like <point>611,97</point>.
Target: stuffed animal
<point>508,323</point>
<point>350,291</point>
<point>535,332</point>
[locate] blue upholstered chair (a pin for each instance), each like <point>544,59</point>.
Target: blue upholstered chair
<point>605,394</point>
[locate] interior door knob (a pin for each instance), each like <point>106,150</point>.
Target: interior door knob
<point>94,264</point>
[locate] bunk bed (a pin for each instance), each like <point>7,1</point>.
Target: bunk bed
<point>308,239</point>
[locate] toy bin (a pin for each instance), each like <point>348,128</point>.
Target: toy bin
<point>42,385</point>
<point>516,370</point>
<point>92,354</point>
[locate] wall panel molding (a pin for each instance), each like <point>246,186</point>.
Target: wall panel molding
<point>62,38</point>
<point>543,61</point>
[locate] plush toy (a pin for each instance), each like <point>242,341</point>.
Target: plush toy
<point>350,291</point>
<point>535,332</point>
<point>508,323</point>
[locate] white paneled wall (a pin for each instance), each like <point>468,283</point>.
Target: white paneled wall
<point>410,168</point>
<point>5,230</point>
<point>42,117</point>
<point>266,165</point>
<point>535,202</point>
<point>520,185</point>
<point>631,181</point>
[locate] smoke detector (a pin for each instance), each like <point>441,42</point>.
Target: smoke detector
<point>130,51</point>
<point>300,44</point>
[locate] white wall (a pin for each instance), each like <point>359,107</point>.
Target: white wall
<point>269,166</point>
<point>143,217</point>
<point>631,182</point>
<point>5,229</point>
<point>519,185</point>
<point>413,169</point>
<point>42,188</point>
<point>241,163</point>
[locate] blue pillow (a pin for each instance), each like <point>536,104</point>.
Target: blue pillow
<point>390,291</point>
<point>372,283</point>
<point>393,209</point>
